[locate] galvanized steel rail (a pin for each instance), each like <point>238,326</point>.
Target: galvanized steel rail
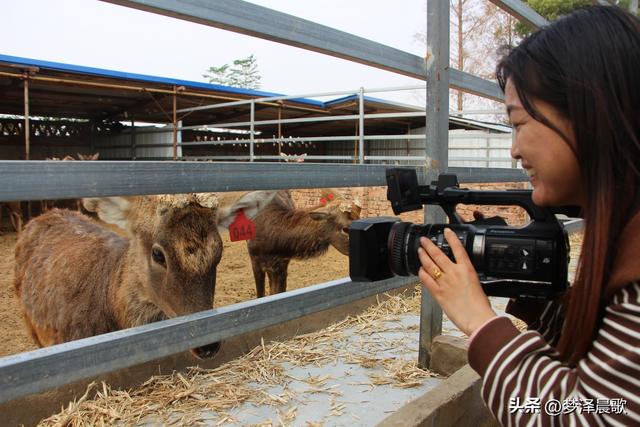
<point>50,180</point>
<point>46,368</point>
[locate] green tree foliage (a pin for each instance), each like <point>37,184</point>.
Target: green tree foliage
<point>554,9</point>
<point>242,73</point>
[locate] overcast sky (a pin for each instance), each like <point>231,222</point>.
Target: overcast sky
<point>97,34</point>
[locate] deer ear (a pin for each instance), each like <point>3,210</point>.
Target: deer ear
<point>112,210</point>
<point>319,216</point>
<point>251,203</point>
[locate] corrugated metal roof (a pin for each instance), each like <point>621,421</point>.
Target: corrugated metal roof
<point>66,90</point>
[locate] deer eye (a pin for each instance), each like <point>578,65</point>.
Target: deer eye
<point>158,257</point>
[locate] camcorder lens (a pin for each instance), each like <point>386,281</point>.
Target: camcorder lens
<point>404,241</point>
<point>396,247</point>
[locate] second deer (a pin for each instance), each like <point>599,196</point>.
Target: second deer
<point>284,232</point>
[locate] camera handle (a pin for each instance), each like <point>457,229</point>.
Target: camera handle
<point>406,195</point>
<point>449,198</point>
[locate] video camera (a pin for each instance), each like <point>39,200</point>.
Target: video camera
<point>530,261</point>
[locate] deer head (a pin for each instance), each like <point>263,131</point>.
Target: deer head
<point>175,245</point>
<point>337,214</point>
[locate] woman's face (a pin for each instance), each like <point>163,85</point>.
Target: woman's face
<point>548,160</point>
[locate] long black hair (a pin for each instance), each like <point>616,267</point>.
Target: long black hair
<point>587,66</point>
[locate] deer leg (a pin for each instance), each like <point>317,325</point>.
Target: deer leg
<point>16,221</point>
<point>278,276</point>
<point>258,276</point>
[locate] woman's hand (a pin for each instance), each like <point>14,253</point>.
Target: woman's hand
<point>457,288</point>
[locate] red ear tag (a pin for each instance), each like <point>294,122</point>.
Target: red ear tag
<point>242,228</point>
<point>330,196</point>
<point>323,201</point>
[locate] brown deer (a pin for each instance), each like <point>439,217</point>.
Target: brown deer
<point>284,232</point>
<point>76,279</point>
<point>15,215</point>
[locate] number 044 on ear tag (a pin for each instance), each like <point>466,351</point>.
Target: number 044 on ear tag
<point>242,228</point>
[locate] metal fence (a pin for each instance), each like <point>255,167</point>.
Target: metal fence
<point>144,143</point>
<point>50,367</point>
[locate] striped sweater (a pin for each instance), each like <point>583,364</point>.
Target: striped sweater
<point>525,383</point>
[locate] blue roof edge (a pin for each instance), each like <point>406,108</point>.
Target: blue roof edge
<point>58,66</point>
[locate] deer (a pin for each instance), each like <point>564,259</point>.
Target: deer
<point>74,278</point>
<point>15,215</point>
<point>284,232</point>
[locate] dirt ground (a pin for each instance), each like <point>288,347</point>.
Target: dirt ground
<point>234,284</point>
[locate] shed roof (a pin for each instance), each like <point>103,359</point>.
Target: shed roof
<point>73,91</point>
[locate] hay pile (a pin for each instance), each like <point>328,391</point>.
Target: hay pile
<point>199,396</point>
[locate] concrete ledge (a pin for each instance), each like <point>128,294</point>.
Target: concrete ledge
<point>455,402</point>
<point>448,354</point>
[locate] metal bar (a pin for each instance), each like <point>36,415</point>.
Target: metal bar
<point>475,85</point>
<point>279,129</point>
<point>250,19</point>
<point>175,123</point>
<point>480,159</point>
<point>522,11</point>
<point>308,158</point>
<point>361,126</point>
<point>252,131</point>
<point>302,139</point>
<point>27,126</point>
<point>493,136</point>
<point>50,367</point>
<point>269,99</point>
<point>225,105</point>
<point>436,147</point>
<point>45,180</point>
<point>482,175</point>
<point>573,225</point>
<point>283,140</point>
<point>133,140</point>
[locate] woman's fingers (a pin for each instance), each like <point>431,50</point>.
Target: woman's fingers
<point>428,281</point>
<point>438,257</point>
<point>459,253</point>
<point>427,263</point>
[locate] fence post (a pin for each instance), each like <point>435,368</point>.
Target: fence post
<point>252,131</point>
<point>174,138</point>
<point>134,150</point>
<point>436,147</point>
<point>27,126</point>
<point>361,125</point>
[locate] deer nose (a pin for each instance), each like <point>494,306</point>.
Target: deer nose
<point>206,351</point>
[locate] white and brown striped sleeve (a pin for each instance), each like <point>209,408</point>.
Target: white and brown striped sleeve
<point>545,317</point>
<point>519,366</point>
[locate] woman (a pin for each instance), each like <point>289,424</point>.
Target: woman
<point>572,92</point>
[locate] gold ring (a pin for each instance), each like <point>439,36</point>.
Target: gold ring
<point>436,273</point>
